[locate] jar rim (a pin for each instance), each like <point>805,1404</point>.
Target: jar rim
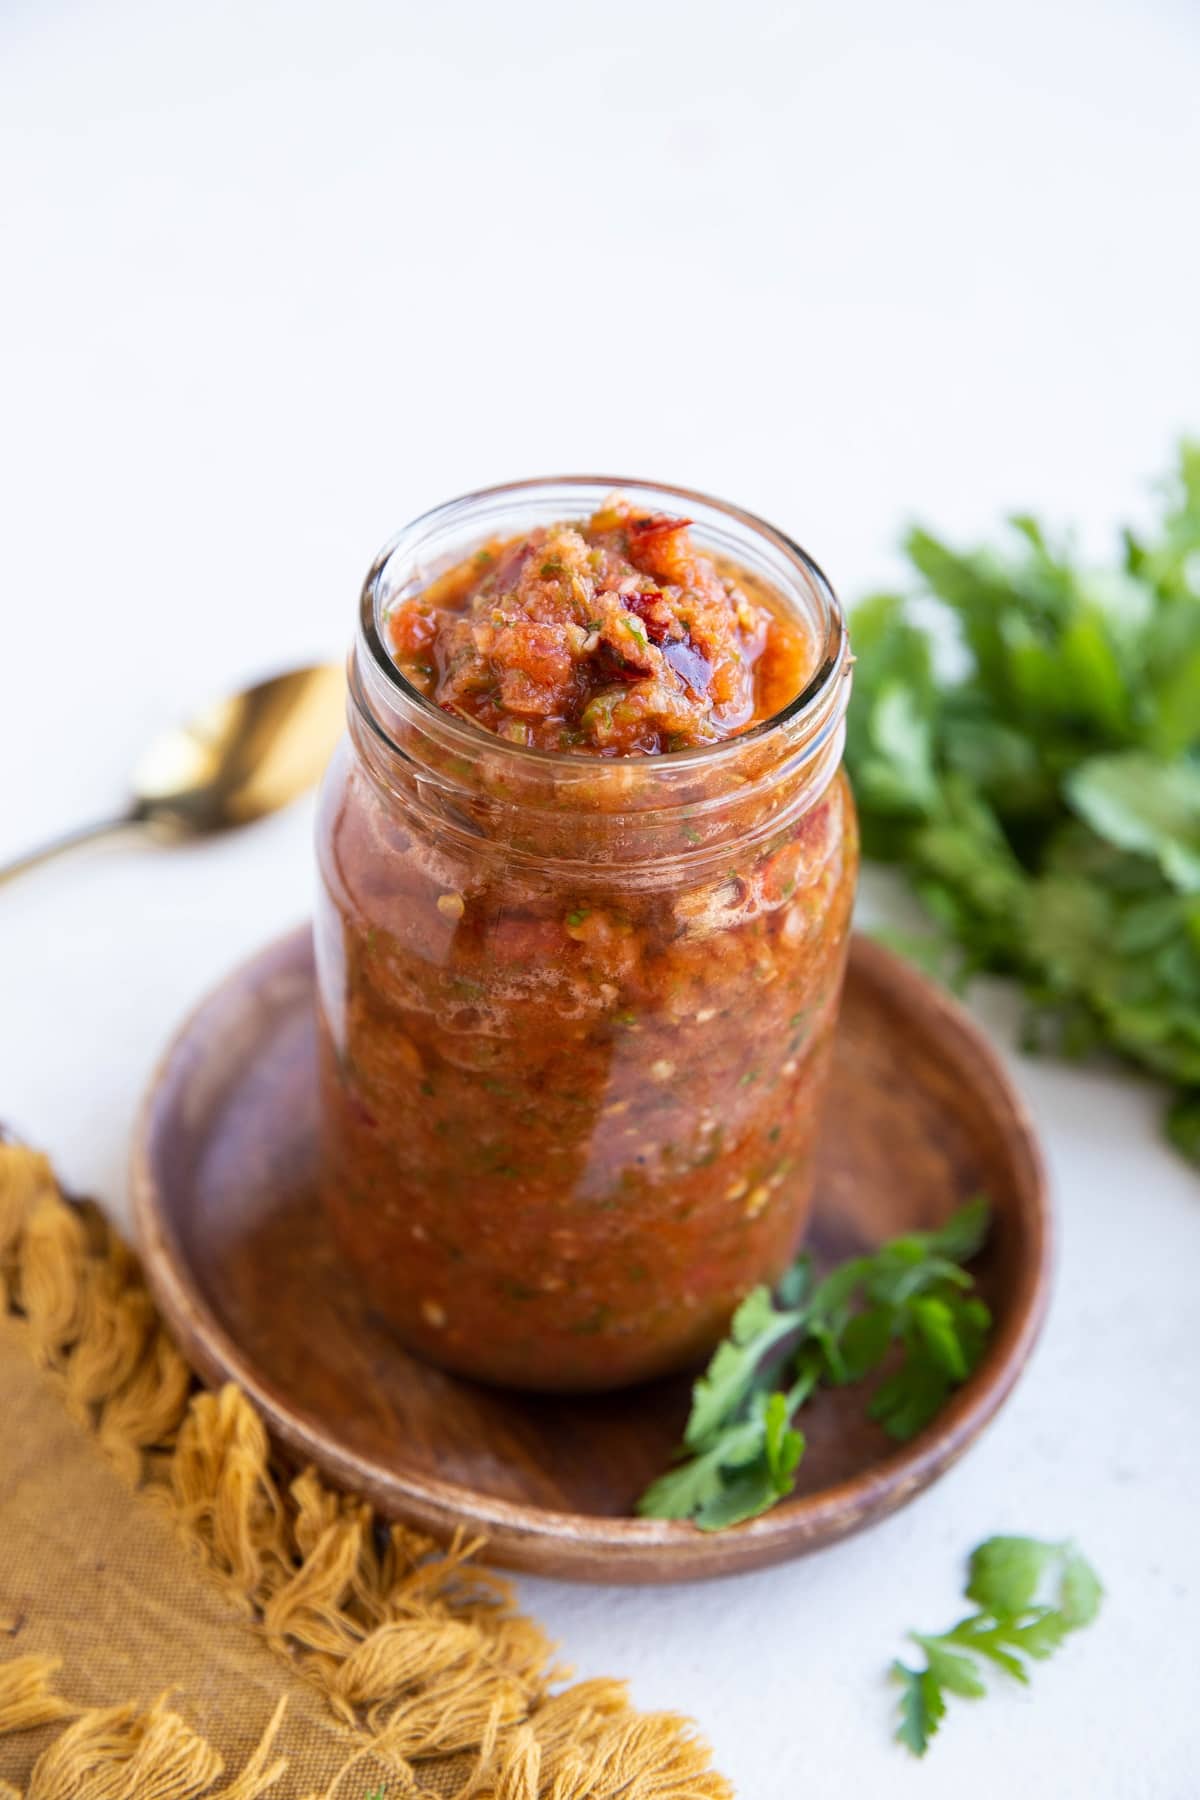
<point>833,658</point>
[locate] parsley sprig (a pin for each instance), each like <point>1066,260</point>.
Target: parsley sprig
<point>1024,740</point>
<point>1029,1597</point>
<point>741,1450</point>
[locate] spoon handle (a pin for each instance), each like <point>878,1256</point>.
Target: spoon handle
<point>70,840</point>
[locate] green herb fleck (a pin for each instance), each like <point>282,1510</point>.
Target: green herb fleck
<point>592,1322</point>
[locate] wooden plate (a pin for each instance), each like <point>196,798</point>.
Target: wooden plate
<point>236,1248</point>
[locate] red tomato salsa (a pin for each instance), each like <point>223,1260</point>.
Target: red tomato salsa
<point>611,637</point>
<point>572,1064</point>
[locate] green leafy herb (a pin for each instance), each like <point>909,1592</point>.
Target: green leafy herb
<point>1141,804</point>
<point>1029,1596</point>
<point>911,1302</point>
<point>1024,741</point>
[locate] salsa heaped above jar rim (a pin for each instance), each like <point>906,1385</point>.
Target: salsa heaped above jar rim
<point>612,636</point>
<point>443,539</point>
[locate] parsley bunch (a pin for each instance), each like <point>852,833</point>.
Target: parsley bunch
<point>1014,1622</point>
<point>741,1451</point>
<point>1044,798</point>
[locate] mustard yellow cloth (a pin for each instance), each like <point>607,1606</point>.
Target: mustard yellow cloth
<point>179,1617</point>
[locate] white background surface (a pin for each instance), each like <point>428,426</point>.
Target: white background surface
<point>276,278</point>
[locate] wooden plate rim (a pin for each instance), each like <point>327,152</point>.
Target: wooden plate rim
<point>564,1543</point>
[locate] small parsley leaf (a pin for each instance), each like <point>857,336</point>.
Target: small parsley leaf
<point>922,1707</point>
<point>758,1327</point>
<point>1079,1589</point>
<point>1006,1572</point>
<point>1030,1596</point>
<point>950,1669</point>
<point>695,1486</point>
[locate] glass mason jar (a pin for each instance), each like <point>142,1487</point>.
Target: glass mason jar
<point>576,1013</point>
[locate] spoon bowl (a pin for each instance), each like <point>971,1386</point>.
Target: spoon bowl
<point>235,761</point>
<point>245,756</point>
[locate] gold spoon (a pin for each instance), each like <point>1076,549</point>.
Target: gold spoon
<point>238,760</point>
